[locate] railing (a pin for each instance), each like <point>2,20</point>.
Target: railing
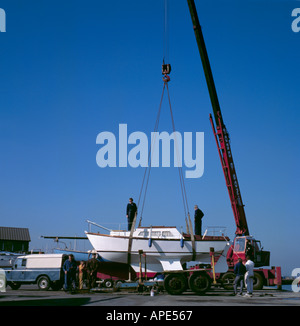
<point>215,231</point>
<point>121,227</point>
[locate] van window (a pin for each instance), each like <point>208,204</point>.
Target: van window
<point>20,262</point>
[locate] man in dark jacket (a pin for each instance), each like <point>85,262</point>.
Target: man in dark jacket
<point>92,269</point>
<point>131,210</point>
<point>70,268</point>
<point>198,220</point>
<point>239,271</point>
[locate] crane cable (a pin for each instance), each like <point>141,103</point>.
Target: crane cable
<point>145,181</point>
<point>166,69</point>
<point>181,178</point>
<point>148,168</point>
<point>166,33</point>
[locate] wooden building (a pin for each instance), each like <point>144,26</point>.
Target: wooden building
<point>14,239</point>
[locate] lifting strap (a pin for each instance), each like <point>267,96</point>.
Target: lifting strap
<point>145,181</point>
<point>130,245</point>
<point>166,68</point>
<point>192,238</point>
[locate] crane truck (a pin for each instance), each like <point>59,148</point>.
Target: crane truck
<point>244,244</point>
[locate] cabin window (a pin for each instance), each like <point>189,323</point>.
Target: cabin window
<point>154,234</point>
<point>239,244</point>
<point>257,246</point>
<point>143,234</point>
<point>167,234</point>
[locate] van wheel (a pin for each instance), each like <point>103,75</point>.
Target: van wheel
<point>43,283</point>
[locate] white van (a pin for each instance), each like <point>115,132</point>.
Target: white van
<point>45,270</point>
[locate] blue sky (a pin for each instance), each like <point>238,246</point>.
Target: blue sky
<point>72,70</point>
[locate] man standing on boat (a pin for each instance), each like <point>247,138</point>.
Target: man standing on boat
<point>131,210</point>
<point>198,220</point>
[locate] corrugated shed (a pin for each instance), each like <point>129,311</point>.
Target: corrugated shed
<point>16,234</point>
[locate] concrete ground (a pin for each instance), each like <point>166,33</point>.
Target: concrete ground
<point>29,295</point>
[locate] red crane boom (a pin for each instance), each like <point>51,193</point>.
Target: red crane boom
<point>220,132</point>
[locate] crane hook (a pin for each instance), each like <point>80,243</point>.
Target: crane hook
<point>166,69</point>
<point>166,78</point>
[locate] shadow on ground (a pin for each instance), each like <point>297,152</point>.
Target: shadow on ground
<point>47,302</point>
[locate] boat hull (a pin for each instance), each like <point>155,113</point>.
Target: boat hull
<point>159,254</point>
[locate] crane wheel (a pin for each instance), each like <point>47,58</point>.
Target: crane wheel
<point>258,281</point>
<point>199,282</point>
<point>228,280</point>
<point>175,284</point>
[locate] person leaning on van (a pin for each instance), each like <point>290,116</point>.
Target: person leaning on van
<point>70,268</point>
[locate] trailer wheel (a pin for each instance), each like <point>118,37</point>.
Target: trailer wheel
<point>199,282</point>
<point>228,280</point>
<point>43,283</point>
<point>175,284</point>
<point>108,283</point>
<point>258,281</point>
<point>119,283</point>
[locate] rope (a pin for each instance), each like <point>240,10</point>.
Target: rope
<point>148,168</point>
<point>166,32</point>
<point>146,177</point>
<point>181,178</point>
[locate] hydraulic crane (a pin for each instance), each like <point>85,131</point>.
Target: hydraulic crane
<point>220,132</point>
<point>244,244</point>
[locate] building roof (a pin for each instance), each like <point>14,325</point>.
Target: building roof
<point>16,234</point>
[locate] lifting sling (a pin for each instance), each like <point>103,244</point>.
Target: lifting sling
<point>166,69</point>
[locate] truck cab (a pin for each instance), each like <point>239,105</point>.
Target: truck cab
<point>45,270</point>
<point>247,245</point>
